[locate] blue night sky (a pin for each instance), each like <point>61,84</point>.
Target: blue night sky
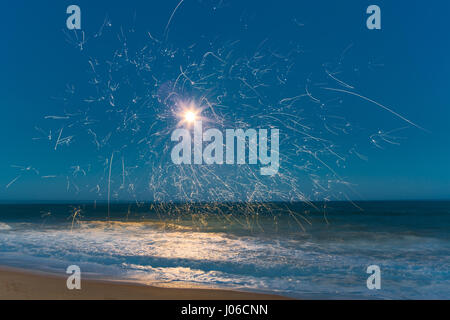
<point>405,66</point>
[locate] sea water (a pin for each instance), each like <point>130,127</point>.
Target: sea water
<point>325,254</point>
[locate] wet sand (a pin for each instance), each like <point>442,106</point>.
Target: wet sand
<point>21,284</point>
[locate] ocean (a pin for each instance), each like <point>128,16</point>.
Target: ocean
<point>300,250</point>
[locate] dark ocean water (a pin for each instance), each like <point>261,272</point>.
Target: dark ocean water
<point>300,250</point>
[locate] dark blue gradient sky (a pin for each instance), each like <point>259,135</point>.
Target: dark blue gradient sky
<point>404,66</point>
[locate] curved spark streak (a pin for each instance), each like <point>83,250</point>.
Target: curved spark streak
<point>378,104</point>
<point>170,19</point>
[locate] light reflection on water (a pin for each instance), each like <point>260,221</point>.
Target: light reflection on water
<point>317,264</point>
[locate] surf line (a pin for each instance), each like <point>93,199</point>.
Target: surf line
<point>213,153</point>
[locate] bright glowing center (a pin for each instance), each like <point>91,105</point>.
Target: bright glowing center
<point>190,116</point>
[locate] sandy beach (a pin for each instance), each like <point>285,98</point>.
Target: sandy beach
<point>17,284</point>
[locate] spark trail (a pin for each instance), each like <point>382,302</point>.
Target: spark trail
<point>130,102</point>
<point>378,104</point>
<point>166,29</point>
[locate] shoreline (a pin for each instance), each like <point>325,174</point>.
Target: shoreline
<point>20,284</point>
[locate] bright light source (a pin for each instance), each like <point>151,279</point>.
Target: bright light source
<point>190,116</point>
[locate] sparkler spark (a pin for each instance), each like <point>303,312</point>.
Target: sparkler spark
<point>135,96</point>
<point>190,116</point>
<point>188,112</point>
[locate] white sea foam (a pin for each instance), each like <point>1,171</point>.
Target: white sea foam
<point>299,268</point>
<point>4,226</point>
